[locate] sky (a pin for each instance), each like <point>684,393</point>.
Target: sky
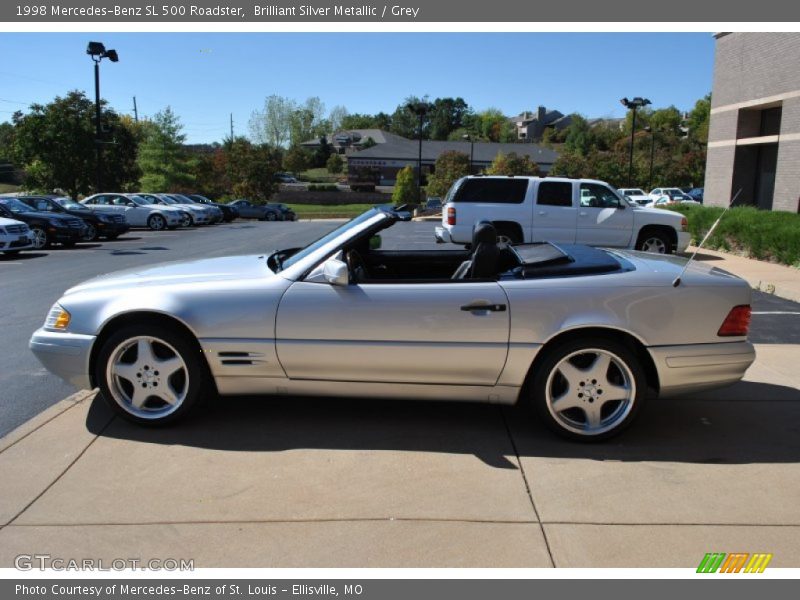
<point>205,77</point>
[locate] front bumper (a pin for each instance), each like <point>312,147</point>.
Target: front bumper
<point>684,238</point>
<point>112,228</point>
<point>64,354</point>
<point>66,235</point>
<point>683,369</point>
<point>15,242</point>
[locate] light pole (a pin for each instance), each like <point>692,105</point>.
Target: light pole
<point>652,133</point>
<point>98,52</point>
<point>633,105</point>
<point>420,109</point>
<point>471,141</point>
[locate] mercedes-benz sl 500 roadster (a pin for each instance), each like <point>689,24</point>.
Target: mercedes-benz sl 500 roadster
<point>584,335</point>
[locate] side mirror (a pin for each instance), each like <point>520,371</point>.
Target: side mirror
<point>336,272</point>
<point>375,242</point>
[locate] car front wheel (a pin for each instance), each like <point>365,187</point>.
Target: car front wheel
<point>90,233</point>
<point>656,242</point>
<point>588,389</point>
<point>156,222</point>
<point>150,375</point>
<point>40,240</point>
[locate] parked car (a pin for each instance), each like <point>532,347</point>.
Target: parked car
<point>45,228</point>
<point>636,195</point>
<point>191,215</point>
<point>14,236</point>
<point>659,192</point>
<point>262,212</point>
<point>285,178</point>
<point>138,211</point>
<point>559,210</point>
<point>583,334</point>
<point>696,194</point>
<point>673,200</point>
<point>215,214</point>
<point>229,213</point>
<point>97,224</point>
<point>285,213</point>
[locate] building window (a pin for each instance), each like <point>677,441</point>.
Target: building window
<point>771,121</point>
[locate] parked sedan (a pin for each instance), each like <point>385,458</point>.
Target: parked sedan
<point>635,195</point>
<point>14,236</point>
<point>582,334</point>
<point>215,214</point>
<point>229,213</point>
<point>46,228</point>
<point>262,212</point>
<point>191,216</point>
<point>138,211</point>
<point>286,213</point>
<point>97,224</point>
<point>696,194</point>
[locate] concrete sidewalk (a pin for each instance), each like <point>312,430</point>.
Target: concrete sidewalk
<point>767,277</point>
<point>285,482</point>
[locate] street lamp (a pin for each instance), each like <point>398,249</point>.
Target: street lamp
<point>471,141</point>
<point>98,52</point>
<point>652,133</point>
<point>633,105</point>
<point>420,109</point>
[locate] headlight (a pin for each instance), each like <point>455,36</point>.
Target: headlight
<point>57,319</point>
<point>2,231</point>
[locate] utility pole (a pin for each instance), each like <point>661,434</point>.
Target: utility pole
<point>135,111</point>
<point>231,127</point>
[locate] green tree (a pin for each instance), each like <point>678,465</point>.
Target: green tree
<point>273,123</point>
<point>697,122</point>
<point>323,152</point>
<point>570,164</point>
<point>55,145</point>
<point>512,164</point>
<point>297,159</point>
<point>405,123</point>
<point>450,166</point>
<point>163,161</point>
<point>447,115</point>
<point>579,139</point>
<point>251,168</point>
<point>335,164</point>
<point>368,143</point>
<point>405,188</point>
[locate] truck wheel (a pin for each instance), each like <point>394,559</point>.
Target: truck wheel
<point>508,234</point>
<point>655,242</point>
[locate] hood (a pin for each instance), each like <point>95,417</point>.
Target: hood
<point>205,270</point>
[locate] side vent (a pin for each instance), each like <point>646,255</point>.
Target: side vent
<point>232,358</point>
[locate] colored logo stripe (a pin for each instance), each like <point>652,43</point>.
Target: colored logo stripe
<point>711,562</point>
<point>758,563</point>
<point>734,562</point>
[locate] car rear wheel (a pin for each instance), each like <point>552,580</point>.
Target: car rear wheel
<point>150,375</point>
<point>40,240</point>
<point>271,216</point>
<point>588,389</point>
<point>156,222</point>
<point>187,221</point>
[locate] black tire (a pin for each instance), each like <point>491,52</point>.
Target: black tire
<point>11,252</point>
<point>156,222</point>
<point>41,239</point>
<point>90,234</point>
<point>505,232</point>
<point>654,241</point>
<point>613,416</point>
<point>112,236</point>
<point>271,217</point>
<point>195,378</point>
<point>68,244</point>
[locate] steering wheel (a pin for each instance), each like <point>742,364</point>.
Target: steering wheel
<point>356,265</point>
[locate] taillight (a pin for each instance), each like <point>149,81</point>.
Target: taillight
<point>737,322</point>
<point>684,224</point>
<point>451,215</point>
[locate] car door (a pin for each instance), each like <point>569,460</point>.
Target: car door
<point>424,333</point>
<point>603,219</point>
<point>554,213</point>
<point>246,210</point>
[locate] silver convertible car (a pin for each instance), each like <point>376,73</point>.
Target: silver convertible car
<point>583,335</point>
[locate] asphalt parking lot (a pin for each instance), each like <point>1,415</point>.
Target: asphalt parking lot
<point>311,482</point>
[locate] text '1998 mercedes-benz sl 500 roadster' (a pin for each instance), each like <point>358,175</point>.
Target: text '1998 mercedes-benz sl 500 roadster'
<point>583,334</point>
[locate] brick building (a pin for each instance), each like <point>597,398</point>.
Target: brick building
<point>754,132</point>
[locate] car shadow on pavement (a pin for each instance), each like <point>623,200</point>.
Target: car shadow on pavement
<point>22,256</point>
<point>746,423</point>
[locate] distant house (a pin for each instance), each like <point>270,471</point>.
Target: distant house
<point>530,126</point>
<point>353,140</point>
<point>396,152</point>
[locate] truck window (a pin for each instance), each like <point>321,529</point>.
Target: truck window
<point>495,191</point>
<point>598,196</point>
<point>555,193</point>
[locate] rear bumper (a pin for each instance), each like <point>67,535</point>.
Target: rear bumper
<point>442,235</point>
<point>683,369</point>
<point>64,354</point>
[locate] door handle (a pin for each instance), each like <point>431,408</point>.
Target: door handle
<point>481,307</point>
<point>583,213</point>
<point>542,213</point>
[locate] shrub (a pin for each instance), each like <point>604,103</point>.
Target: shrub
<point>335,164</point>
<point>450,166</point>
<point>405,188</point>
<point>329,187</point>
<point>764,235</point>
<point>512,164</point>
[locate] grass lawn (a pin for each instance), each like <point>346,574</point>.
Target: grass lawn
<point>319,175</point>
<point>315,211</point>
<point>7,188</point>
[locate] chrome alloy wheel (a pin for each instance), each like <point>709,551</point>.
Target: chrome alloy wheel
<point>39,238</point>
<point>90,233</point>
<point>590,391</point>
<point>654,244</point>
<point>156,222</point>
<point>147,377</point>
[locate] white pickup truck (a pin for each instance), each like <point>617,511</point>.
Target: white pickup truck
<point>560,210</point>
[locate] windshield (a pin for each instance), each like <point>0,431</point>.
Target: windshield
<point>168,199</point>
<point>14,205</point>
<point>313,246</point>
<point>69,204</point>
<point>141,199</point>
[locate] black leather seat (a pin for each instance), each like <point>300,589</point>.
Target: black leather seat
<point>485,254</point>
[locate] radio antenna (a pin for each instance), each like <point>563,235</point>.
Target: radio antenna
<point>677,281</point>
